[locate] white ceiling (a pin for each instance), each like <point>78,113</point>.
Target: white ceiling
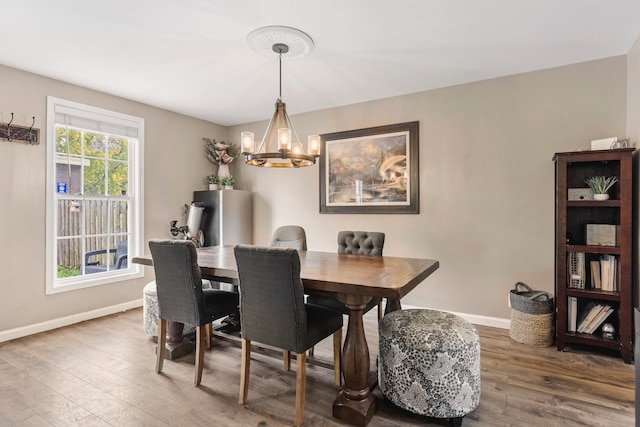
<point>190,56</point>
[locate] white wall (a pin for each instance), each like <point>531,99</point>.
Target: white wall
<point>486,180</point>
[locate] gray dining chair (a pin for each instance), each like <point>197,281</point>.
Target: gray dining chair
<point>369,243</point>
<point>289,236</point>
<point>273,312</point>
<point>181,297</point>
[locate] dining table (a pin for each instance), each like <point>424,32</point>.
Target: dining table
<point>353,280</point>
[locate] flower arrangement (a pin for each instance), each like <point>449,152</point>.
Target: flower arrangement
<point>213,179</point>
<point>220,153</point>
<point>601,184</point>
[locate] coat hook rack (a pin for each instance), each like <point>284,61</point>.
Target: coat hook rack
<point>13,133</point>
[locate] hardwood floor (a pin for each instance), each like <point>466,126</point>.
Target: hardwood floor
<point>101,373</point>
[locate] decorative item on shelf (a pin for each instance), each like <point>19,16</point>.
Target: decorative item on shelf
<point>608,331</point>
<point>280,146</point>
<point>579,194</point>
<point>213,181</point>
<point>600,185</point>
<point>221,154</point>
<point>228,181</point>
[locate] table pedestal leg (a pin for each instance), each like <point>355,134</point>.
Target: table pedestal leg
<point>355,404</point>
<point>176,345</point>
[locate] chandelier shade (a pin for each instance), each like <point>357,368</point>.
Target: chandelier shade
<point>280,146</point>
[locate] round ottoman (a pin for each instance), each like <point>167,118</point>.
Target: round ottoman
<point>150,308</point>
<point>429,363</point>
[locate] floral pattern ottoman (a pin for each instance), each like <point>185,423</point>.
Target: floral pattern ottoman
<point>429,363</point>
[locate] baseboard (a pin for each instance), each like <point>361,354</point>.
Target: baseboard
<point>36,328</point>
<point>11,334</point>
<point>494,322</point>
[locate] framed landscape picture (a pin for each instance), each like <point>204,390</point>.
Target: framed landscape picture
<point>370,171</point>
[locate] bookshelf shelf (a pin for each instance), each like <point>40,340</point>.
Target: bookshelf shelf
<point>579,264</point>
<point>613,250</point>
<point>592,340</point>
<point>597,294</point>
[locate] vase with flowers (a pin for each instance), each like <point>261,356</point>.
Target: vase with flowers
<point>221,154</point>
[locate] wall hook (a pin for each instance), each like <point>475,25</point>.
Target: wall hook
<point>9,129</point>
<point>32,139</point>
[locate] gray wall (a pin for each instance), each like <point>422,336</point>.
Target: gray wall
<point>486,181</point>
<point>486,178</point>
<point>174,167</point>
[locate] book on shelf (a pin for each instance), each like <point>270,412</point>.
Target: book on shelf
<point>588,313</point>
<point>608,266</point>
<point>572,313</point>
<point>599,319</point>
<point>596,281</point>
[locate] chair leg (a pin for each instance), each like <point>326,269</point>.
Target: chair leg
<point>337,357</point>
<point>301,383</point>
<point>162,339</point>
<point>310,351</point>
<point>455,422</point>
<point>208,335</point>
<point>286,358</point>
<point>244,371</point>
<point>380,311</point>
<point>200,345</point>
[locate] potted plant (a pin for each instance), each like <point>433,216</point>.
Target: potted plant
<point>228,182</point>
<point>213,181</point>
<point>600,185</point>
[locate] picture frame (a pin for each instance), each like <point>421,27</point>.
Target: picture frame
<point>370,171</point>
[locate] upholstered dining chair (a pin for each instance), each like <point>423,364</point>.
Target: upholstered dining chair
<point>370,243</point>
<point>181,297</point>
<point>289,236</point>
<point>273,312</point>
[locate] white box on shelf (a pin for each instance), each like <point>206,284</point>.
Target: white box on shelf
<point>604,143</point>
<point>603,234</point>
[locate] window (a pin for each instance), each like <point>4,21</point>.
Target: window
<point>94,195</point>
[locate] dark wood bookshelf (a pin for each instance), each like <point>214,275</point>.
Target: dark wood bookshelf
<point>572,216</point>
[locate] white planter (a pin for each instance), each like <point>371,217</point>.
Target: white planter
<point>600,197</point>
<point>228,187</point>
<point>213,187</point>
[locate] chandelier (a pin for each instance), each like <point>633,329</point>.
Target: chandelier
<point>280,146</point>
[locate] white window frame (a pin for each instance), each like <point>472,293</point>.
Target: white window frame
<point>135,175</point>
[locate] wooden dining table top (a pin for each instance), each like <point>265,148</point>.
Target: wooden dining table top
<point>379,276</point>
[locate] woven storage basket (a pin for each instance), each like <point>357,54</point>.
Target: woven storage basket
<point>531,316</point>
<point>529,301</point>
<point>531,329</point>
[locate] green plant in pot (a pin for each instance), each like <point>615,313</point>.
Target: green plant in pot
<point>213,181</point>
<point>600,186</point>
<point>228,181</point>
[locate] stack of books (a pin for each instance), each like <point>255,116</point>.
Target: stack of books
<point>603,273</point>
<point>591,317</point>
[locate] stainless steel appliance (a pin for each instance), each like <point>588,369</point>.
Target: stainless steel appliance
<point>227,216</point>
